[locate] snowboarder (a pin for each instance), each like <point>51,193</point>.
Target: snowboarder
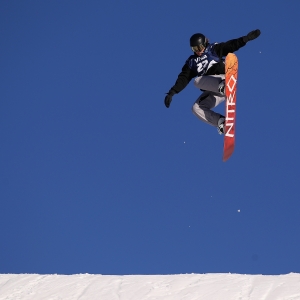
<point>207,65</point>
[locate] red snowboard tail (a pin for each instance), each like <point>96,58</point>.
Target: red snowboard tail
<point>231,73</point>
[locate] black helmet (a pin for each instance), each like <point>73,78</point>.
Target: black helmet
<point>198,42</point>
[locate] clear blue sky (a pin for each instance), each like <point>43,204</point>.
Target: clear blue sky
<point>98,176</point>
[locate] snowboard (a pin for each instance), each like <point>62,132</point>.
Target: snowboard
<point>231,73</point>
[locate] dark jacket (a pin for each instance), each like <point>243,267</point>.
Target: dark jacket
<point>211,62</point>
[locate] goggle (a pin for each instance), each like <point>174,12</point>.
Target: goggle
<point>198,48</point>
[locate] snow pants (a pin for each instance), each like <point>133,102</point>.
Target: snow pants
<point>209,99</point>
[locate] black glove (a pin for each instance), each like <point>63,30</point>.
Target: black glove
<point>251,35</point>
<point>168,98</point>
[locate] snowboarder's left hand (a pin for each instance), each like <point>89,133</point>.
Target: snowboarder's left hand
<point>252,35</point>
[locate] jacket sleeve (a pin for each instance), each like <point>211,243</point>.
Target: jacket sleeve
<point>185,76</point>
<point>230,46</point>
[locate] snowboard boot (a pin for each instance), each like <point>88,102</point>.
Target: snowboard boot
<point>221,125</point>
<point>221,87</point>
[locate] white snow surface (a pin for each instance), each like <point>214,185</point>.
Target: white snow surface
<point>139,287</point>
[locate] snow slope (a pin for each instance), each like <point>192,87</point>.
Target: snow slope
<point>139,287</point>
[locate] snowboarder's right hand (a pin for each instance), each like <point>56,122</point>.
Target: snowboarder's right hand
<point>252,35</point>
<point>168,98</point>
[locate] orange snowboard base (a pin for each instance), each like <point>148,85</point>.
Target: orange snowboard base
<point>231,74</point>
